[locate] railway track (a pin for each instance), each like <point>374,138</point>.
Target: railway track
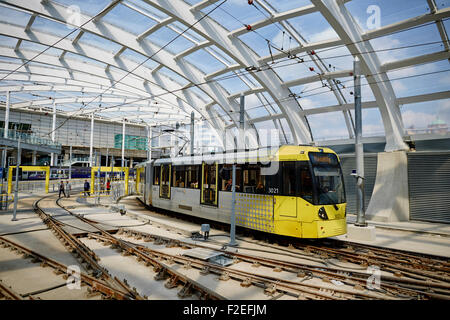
<point>418,275</point>
<point>410,276</point>
<point>393,287</point>
<point>88,259</point>
<point>95,286</point>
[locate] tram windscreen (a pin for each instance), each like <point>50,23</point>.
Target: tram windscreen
<point>329,179</point>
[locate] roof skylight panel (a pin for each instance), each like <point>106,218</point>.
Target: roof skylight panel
<point>257,40</point>
<point>407,44</point>
<point>417,117</point>
<point>147,8</point>
<point>174,76</point>
<point>231,83</point>
<point>281,6</point>
<point>7,41</point>
<point>335,127</point>
<point>421,79</point>
<point>128,19</point>
<point>12,16</point>
<point>164,37</point>
<point>313,27</point>
<point>204,61</point>
<point>314,95</point>
<point>372,15</point>
<point>373,123</point>
<point>53,27</point>
<point>90,7</point>
<point>99,42</point>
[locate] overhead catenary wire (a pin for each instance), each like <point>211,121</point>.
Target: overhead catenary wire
<point>114,2</point>
<point>262,70</point>
<point>321,51</point>
<point>294,97</point>
<point>147,59</point>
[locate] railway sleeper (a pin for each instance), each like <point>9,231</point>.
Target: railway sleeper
<point>186,291</point>
<point>161,275</point>
<point>246,283</point>
<point>225,276</point>
<point>270,289</point>
<point>205,270</point>
<point>172,282</point>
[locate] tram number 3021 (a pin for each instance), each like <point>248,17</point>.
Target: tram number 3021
<point>273,190</point>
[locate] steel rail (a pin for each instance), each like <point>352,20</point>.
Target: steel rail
<point>284,264</point>
<point>87,255</point>
<point>8,292</point>
<point>296,268</point>
<point>60,268</point>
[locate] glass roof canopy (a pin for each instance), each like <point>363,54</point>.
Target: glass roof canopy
<point>154,62</point>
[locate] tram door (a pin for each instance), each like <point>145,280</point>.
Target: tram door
<point>164,187</point>
<point>286,205</point>
<point>209,184</point>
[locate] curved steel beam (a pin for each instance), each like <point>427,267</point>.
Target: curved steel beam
<point>348,30</point>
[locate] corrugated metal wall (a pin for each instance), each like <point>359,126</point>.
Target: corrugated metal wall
<point>348,163</point>
<point>429,186</point>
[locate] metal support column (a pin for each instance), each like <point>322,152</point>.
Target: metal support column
<point>34,158</point>
<point>123,143</point>
<point>149,142</point>
<point>16,192</point>
<point>192,132</point>
<point>233,210</point>
<point>5,150</point>
<point>91,146</point>
<point>241,143</point>
<point>52,155</point>
<point>359,148</point>
<point>70,163</point>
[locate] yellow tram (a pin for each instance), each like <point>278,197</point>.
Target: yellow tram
<point>293,191</point>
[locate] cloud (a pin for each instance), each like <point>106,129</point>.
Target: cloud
<point>417,119</point>
<point>324,35</point>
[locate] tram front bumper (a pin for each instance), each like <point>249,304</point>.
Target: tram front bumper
<point>331,228</point>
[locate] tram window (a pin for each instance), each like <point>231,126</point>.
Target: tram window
<point>253,182</point>
<point>306,182</point>
<point>164,191</point>
<point>289,178</point>
<point>209,184</point>
<point>165,175</point>
<point>272,179</point>
<point>178,177</point>
<point>192,177</point>
<point>226,184</point>
<point>156,175</point>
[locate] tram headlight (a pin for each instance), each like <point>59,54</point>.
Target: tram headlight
<point>323,214</point>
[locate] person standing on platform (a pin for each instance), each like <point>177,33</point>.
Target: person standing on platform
<point>87,188</point>
<point>108,186</point>
<point>68,188</point>
<point>61,189</point>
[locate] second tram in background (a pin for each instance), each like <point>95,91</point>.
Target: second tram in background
<point>294,191</point>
